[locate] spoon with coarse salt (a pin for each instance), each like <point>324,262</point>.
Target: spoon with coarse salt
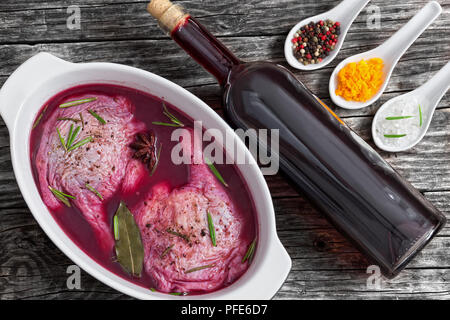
<point>344,13</point>
<point>390,52</point>
<point>403,121</point>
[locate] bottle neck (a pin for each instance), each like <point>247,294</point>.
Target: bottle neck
<point>204,48</point>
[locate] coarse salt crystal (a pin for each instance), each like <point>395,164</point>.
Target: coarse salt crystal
<point>405,107</point>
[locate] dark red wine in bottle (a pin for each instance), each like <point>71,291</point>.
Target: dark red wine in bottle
<point>359,192</point>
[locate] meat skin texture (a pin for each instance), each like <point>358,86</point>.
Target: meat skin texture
<point>102,163</point>
<point>184,210</point>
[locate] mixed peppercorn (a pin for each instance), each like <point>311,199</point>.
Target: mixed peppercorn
<point>314,41</point>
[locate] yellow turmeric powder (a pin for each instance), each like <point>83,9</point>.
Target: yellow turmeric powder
<point>360,81</point>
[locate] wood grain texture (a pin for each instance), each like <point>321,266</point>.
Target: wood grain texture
<point>325,265</point>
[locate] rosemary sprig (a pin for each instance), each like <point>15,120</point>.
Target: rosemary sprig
<point>92,189</point>
<point>200,268</point>
<point>80,143</point>
<point>249,255</point>
<point>156,161</point>
<point>175,122</point>
<point>61,139</point>
<point>63,197</point>
<point>171,116</point>
<point>166,124</point>
<point>180,235</point>
<point>69,136</point>
<point>166,252</point>
<point>116,227</point>
<point>172,293</point>
<point>68,119</point>
<point>215,171</point>
<point>179,294</point>
<point>72,135</point>
<point>75,133</point>
<point>399,117</point>
<point>35,124</point>
<point>63,194</point>
<point>394,135</point>
<point>212,230</point>
<point>96,116</point>
<point>68,144</point>
<point>81,119</point>
<point>39,118</point>
<point>76,102</point>
<point>420,114</point>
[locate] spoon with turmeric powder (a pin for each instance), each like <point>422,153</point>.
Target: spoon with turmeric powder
<point>360,80</point>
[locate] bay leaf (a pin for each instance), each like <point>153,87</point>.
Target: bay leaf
<point>129,248</point>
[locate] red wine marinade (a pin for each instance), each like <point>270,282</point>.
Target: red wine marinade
<point>147,109</point>
<point>360,193</point>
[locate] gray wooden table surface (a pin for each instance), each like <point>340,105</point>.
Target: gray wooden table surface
<point>325,265</point>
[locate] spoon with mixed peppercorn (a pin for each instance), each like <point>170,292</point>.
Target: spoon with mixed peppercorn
<point>314,42</point>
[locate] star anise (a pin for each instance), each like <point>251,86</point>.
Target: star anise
<point>145,150</point>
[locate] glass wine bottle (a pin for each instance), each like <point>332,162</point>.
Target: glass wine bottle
<point>359,192</point>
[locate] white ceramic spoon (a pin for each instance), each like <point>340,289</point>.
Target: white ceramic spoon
<point>344,13</point>
<point>428,96</point>
<point>390,51</point>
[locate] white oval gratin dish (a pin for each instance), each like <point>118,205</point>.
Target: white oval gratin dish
<point>43,76</point>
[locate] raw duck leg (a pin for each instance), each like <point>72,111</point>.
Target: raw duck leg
<point>179,253</point>
<point>102,163</point>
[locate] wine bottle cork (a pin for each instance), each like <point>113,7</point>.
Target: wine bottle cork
<point>169,15</point>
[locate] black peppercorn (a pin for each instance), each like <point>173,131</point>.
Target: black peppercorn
<point>314,41</point>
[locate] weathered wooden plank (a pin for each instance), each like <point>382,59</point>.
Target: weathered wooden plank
<point>411,284</point>
<point>296,213</point>
<point>314,244</point>
<point>22,5</point>
<point>163,57</point>
<point>325,265</point>
<point>45,22</point>
<point>335,253</point>
<point>32,267</point>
